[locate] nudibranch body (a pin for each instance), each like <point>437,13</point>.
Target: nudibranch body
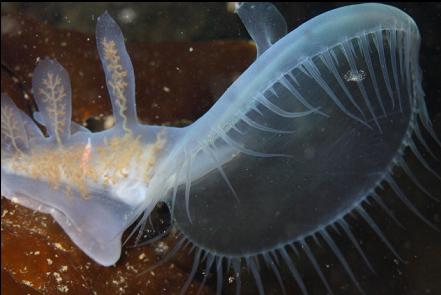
<point>94,184</point>
<point>309,132</point>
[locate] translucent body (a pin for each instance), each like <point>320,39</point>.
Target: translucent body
<point>344,134</point>
<point>91,183</point>
<point>298,141</point>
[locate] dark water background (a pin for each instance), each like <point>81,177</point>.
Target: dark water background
<point>159,22</point>
<point>419,245</point>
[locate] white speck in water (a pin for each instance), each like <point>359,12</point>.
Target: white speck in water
<point>190,49</point>
<point>230,279</point>
<point>27,283</point>
<point>166,89</point>
<point>161,248</point>
<point>59,246</point>
<point>127,15</point>
<point>63,288</point>
<point>57,276</point>
<point>355,76</point>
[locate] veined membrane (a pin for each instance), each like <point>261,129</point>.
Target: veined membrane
<point>315,126</point>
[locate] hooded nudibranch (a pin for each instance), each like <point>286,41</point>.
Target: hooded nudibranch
<point>305,136</point>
